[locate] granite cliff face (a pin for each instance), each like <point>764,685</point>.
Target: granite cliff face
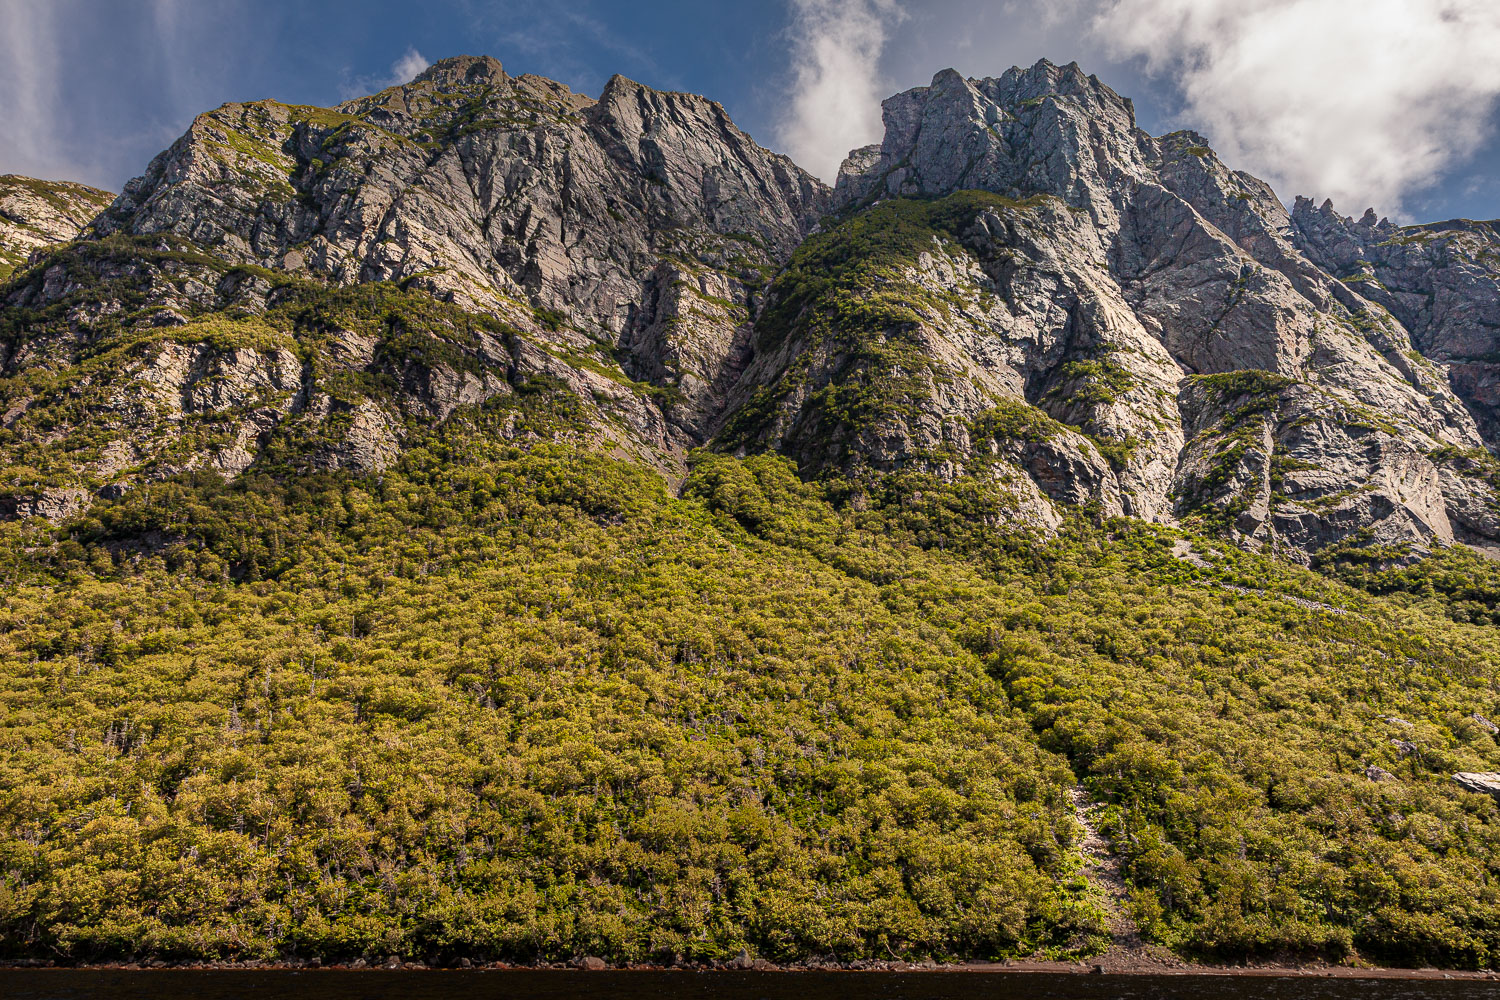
<point>1442,281</point>
<point>1017,287</point>
<point>642,222</point>
<point>35,214</point>
<point>612,249</point>
<point>1188,360</point>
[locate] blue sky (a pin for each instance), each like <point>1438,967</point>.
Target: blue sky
<point>1390,103</point>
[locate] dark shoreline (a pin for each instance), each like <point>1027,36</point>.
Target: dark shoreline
<point>1090,968</point>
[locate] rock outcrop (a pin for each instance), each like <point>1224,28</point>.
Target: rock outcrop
<point>35,213</point>
<point>1018,286</point>
<point>1442,281</point>
<point>613,249</point>
<point>642,223</point>
<point>1483,782</point>
<point>1143,294</point>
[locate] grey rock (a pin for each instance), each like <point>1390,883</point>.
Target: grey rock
<point>1483,782</point>
<point>36,214</point>
<point>1128,322</point>
<point>53,504</point>
<point>1379,774</point>
<point>1442,281</point>
<point>1149,255</point>
<point>579,220</point>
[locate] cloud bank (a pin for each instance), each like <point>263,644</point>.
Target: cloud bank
<point>836,86</point>
<point>1363,101</point>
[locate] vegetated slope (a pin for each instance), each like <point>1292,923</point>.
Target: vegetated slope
<point>518,701</point>
<point>131,359</point>
<point>35,213</point>
<point>348,612</point>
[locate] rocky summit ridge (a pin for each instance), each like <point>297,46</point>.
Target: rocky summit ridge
<point>1018,287</point>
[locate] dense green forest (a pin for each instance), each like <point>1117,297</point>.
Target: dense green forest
<point>513,699</point>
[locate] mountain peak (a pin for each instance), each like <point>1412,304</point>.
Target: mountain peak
<point>462,71</point>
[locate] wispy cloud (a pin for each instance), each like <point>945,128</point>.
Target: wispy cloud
<point>1364,101</point>
<point>403,70</point>
<point>836,80</point>
<point>91,94</point>
<point>28,66</point>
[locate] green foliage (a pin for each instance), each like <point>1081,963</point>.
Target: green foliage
<point>92,394</point>
<point>343,717</point>
<point>552,319</point>
<point>1094,381</point>
<point>848,294</point>
<point>1250,382</point>
<point>850,279</point>
<point>1228,729</point>
<point>522,702</point>
<point>1455,581</point>
<point>1013,420</point>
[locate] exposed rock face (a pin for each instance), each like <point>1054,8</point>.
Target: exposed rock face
<point>37,213</point>
<point>619,246</point>
<point>1018,286</point>
<point>1118,284</point>
<point>1442,281</point>
<point>1484,782</point>
<point>128,361</point>
<point>605,220</point>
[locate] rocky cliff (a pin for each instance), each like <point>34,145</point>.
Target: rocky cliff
<point>612,250</point>
<point>1018,287</point>
<point>36,213</point>
<point>1120,319</point>
<point>1442,281</point>
<point>643,222</point>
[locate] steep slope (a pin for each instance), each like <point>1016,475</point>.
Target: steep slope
<point>643,222</point>
<point>1442,281</point>
<point>37,213</point>
<point>1132,289</point>
<point>375,607</point>
<point>513,700</point>
<point>609,252</point>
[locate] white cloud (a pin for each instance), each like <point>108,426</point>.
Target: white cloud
<point>1363,101</point>
<point>836,81</point>
<point>403,70</point>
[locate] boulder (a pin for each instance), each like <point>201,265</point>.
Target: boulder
<point>1485,782</point>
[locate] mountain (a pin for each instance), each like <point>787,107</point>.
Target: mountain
<point>1441,281</point>
<point>36,214</point>
<point>1070,328</point>
<point>616,246</point>
<point>484,521</point>
<point>1135,291</point>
